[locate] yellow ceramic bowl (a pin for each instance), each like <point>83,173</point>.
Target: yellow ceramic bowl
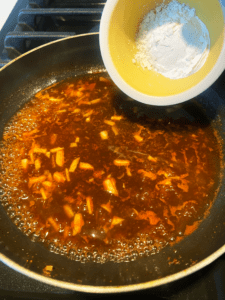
<point>118,27</point>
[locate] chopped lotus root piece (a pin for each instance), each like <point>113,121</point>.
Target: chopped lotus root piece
<point>77,223</point>
<point>79,94</point>
<point>121,162</point>
<point>56,99</point>
<point>148,174</point>
<point>116,118</point>
<point>34,180</point>
<point>153,159</point>
<point>138,138</point>
<point>43,194</point>
<point>74,164</point>
<point>39,150</point>
<point>115,130</point>
<point>85,166</point>
<point>110,123</point>
<point>31,154</point>
<point>88,113</point>
<point>95,101</point>
<point>67,174</point>
<point>68,211</point>
<point>73,145</point>
<point>66,231</point>
<point>59,177</point>
<point>24,163</point>
<point>76,111</point>
<point>37,163</point>
<point>107,207</point>
<point>48,268</point>
<point>128,171</point>
<point>48,185</point>
<point>165,182</point>
<point>53,223</point>
<point>110,186</point>
<point>54,150</point>
<point>104,135</point>
<point>83,102</point>
<point>116,220</point>
<point>90,205</point>
<point>61,111</point>
<point>60,158</point>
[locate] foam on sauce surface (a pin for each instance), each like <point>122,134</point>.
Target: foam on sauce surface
<point>87,172</point>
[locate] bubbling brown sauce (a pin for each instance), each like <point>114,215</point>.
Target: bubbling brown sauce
<point>90,175</point>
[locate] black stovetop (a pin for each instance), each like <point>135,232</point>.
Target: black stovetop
<point>32,23</point>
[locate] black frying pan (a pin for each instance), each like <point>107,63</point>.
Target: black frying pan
<point>19,81</point>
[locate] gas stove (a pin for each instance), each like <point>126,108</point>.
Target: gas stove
<point>33,23</point>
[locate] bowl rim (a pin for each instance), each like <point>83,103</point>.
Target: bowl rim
<point>210,78</point>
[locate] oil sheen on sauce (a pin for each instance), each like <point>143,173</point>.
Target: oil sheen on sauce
<point>88,172</point>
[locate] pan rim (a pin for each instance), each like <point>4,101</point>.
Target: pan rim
<point>103,289</point>
<point>112,289</point>
<point>46,45</point>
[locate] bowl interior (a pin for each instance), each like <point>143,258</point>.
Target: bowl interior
<point>123,25</point>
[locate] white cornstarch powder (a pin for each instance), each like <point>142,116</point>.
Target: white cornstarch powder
<point>173,41</point>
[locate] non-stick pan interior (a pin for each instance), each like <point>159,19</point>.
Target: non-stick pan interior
<point>76,56</point>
